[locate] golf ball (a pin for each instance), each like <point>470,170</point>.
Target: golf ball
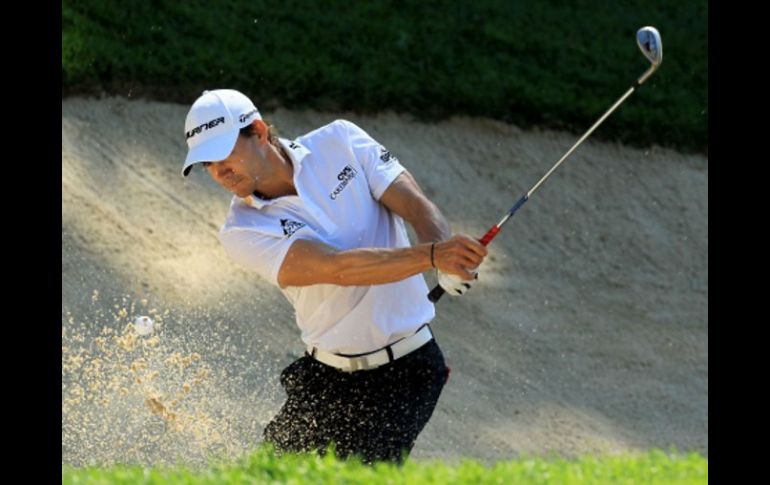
<point>143,325</point>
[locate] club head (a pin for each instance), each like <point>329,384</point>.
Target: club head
<point>649,42</point>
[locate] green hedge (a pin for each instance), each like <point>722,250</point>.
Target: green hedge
<point>551,64</point>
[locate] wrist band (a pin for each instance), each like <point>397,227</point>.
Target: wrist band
<point>432,246</point>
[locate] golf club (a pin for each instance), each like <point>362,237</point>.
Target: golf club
<point>648,40</point>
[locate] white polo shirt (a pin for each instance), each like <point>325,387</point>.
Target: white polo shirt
<point>340,173</point>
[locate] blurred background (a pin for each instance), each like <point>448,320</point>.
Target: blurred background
<point>554,64</point>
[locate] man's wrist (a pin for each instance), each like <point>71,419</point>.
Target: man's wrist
<point>432,254</point>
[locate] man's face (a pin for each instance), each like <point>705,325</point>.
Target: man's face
<point>238,173</point>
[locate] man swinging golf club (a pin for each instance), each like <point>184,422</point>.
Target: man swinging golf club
<point>322,218</point>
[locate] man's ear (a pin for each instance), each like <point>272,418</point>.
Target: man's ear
<point>263,133</point>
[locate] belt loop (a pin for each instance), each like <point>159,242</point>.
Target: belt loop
<point>312,353</point>
<point>390,353</point>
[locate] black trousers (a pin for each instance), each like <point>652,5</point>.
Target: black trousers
<point>373,414</point>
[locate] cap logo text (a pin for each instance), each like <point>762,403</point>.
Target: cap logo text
<point>246,116</point>
<point>205,126</point>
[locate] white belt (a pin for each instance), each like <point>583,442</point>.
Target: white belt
<point>377,358</point>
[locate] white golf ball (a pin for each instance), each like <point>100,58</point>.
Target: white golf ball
<point>143,325</point>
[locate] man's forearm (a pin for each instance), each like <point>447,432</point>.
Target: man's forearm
<point>375,266</point>
<point>313,262</point>
<point>430,224</point>
<point>405,198</point>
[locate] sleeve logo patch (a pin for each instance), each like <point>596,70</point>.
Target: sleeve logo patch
<point>386,156</point>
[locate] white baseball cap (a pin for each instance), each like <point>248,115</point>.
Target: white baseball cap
<point>213,123</point>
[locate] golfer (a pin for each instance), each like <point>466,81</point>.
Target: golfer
<point>322,218</point>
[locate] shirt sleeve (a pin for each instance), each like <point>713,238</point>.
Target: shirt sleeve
<point>259,252</point>
<point>380,166</point>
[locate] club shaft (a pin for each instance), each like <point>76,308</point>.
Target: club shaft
<point>582,138</point>
<point>437,292</point>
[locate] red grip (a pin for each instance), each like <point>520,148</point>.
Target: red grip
<point>489,235</point>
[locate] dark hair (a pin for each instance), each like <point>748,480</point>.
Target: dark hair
<point>272,132</point>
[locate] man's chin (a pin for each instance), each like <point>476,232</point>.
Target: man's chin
<point>240,192</point>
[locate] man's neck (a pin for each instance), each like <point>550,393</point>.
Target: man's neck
<point>282,188</point>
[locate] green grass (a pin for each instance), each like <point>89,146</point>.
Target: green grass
<point>549,63</point>
<point>654,467</point>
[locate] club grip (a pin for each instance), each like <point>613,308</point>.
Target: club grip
<point>489,235</point>
<point>436,294</point>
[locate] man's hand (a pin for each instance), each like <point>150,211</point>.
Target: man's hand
<point>457,255</point>
<point>457,260</point>
<point>454,285</point>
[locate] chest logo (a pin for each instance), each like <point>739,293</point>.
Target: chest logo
<point>345,176</point>
<point>290,227</point>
